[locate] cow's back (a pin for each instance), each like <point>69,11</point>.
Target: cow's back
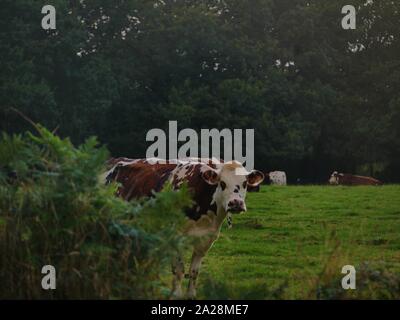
<point>354,180</point>
<point>140,178</point>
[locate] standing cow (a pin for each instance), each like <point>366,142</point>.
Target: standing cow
<point>218,189</point>
<point>352,180</point>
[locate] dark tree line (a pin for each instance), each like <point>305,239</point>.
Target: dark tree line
<point>320,98</point>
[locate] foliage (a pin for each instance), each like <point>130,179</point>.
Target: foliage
<point>320,98</point>
<point>54,210</point>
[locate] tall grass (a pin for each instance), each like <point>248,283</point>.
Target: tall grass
<point>294,240</point>
<point>373,281</point>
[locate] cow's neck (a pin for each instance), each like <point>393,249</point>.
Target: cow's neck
<point>221,215</point>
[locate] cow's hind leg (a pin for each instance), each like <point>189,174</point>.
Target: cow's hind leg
<point>178,271</point>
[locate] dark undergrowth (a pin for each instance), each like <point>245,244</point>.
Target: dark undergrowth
<point>54,210</point>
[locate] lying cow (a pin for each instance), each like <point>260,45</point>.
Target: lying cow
<point>218,189</point>
<point>352,180</point>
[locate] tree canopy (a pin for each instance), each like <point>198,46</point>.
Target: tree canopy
<point>320,98</point>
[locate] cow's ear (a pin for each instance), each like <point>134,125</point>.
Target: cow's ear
<point>255,178</point>
<point>210,176</point>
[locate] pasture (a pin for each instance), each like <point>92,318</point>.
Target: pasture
<point>296,236</point>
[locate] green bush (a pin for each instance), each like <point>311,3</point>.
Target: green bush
<point>54,210</point>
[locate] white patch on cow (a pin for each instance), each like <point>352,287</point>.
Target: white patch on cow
<point>126,163</point>
<point>278,178</point>
<point>212,160</point>
<point>186,167</point>
<point>334,179</point>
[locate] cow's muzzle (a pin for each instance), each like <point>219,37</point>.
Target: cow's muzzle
<point>236,206</point>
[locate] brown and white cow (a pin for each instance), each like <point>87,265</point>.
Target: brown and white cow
<point>352,180</point>
<point>218,189</point>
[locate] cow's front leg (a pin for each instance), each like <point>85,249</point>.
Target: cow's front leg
<point>178,271</point>
<point>197,257</point>
<point>198,254</point>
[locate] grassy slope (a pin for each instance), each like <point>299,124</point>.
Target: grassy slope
<point>288,234</point>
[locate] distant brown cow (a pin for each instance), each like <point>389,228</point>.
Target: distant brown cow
<point>352,180</point>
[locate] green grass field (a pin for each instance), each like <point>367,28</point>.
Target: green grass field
<point>294,234</point>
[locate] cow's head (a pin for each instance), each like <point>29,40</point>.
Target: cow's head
<point>232,180</point>
<point>334,179</point>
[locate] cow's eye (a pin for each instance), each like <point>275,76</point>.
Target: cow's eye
<point>245,184</point>
<point>223,185</point>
